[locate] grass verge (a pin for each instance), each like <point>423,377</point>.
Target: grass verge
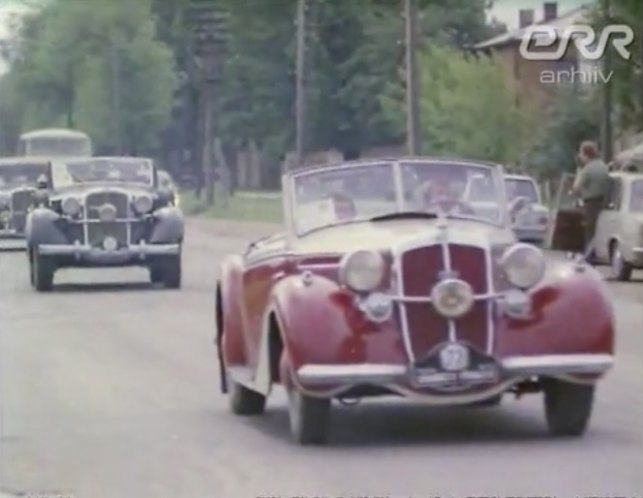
<point>242,207</point>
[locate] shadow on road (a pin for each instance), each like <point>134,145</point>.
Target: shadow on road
<point>390,424</point>
<point>105,287</point>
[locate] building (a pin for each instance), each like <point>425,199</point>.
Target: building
<point>538,80</point>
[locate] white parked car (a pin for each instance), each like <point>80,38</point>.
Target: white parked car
<point>530,223</point>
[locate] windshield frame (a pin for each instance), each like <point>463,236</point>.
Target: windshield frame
<point>90,184</point>
<point>289,183</point>
<point>525,179</point>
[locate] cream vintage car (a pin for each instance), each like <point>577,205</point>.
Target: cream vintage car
<point>619,231</point>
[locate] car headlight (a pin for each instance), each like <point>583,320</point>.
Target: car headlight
<point>452,297</point>
<point>143,204</point>
<point>377,307</point>
<point>70,206</point>
<point>362,271</point>
<point>524,265</point>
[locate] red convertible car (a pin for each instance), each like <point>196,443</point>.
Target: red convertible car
<point>386,281</point>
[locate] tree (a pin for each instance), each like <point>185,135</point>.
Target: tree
<point>468,109</point>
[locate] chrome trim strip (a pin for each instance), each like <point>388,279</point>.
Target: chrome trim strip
<point>319,266</point>
<point>86,250</point>
<point>398,254</point>
<point>417,299</point>
<point>366,372</point>
<point>558,364</point>
<point>491,332</point>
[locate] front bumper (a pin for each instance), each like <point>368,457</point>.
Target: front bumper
<point>518,367</point>
<point>97,255</point>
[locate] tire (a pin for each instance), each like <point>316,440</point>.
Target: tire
<point>170,272</point>
<point>244,401</point>
<point>42,271</point>
<point>568,407</point>
<point>156,274</point>
<point>309,418</point>
<point>620,269</point>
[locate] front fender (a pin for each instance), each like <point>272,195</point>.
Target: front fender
<point>229,334</point>
<point>169,226</point>
<point>319,323</point>
<point>42,227</point>
<point>572,314</point>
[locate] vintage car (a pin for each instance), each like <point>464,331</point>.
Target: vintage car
<point>530,223</point>
<point>18,180</point>
<point>105,211</point>
<point>385,281</point>
<point>54,142</point>
<point>619,230</point>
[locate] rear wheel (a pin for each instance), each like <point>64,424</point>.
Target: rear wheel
<point>309,418</point>
<point>244,401</point>
<point>568,407</point>
<point>42,269</point>
<point>621,269</point>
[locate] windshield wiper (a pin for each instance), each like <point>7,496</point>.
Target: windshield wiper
<point>405,214</point>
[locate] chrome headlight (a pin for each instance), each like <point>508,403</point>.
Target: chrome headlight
<point>524,265</point>
<point>143,204</point>
<point>70,206</point>
<point>452,297</point>
<point>362,271</point>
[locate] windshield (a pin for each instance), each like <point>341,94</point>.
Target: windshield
<point>358,193</point>
<point>139,171</point>
<point>521,188</point>
<point>52,146</point>
<point>21,175</point>
<point>636,199</point>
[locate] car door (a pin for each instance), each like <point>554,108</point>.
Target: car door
<point>566,232</point>
<point>265,262</point>
<point>608,224</point>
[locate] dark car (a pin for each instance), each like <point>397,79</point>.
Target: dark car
<point>105,211</point>
<point>18,179</point>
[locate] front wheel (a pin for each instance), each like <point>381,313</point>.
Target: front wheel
<point>309,418</point>
<point>568,407</point>
<point>41,269</point>
<point>244,401</point>
<point>167,270</point>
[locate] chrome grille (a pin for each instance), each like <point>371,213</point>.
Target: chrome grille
<point>21,201</point>
<point>119,200</point>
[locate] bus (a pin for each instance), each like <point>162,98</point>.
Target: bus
<point>55,143</point>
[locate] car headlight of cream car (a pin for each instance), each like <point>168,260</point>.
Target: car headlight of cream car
<point>362,271</point>
<point>70,206</point>
<point>143,204</point>
<point>524,265</point>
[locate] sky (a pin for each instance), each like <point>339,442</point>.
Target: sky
<point>506,11</point>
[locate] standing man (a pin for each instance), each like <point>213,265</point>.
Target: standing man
<point>592,186</point>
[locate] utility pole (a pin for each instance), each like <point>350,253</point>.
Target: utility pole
<point>300,83</point>
<point>210,34</point>
<point>606,128</point>
<point>413,135</point>
<point>116,92</point>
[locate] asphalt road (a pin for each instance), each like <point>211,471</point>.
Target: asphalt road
<point>109,389</point>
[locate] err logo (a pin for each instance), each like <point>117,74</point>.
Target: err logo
<point>584,37</point>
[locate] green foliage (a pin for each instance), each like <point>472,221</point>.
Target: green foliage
<point>95,66</point>
<point>467,108</point>
<point>574,117</point>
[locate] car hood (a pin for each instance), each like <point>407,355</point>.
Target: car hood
<point>384,235</point>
